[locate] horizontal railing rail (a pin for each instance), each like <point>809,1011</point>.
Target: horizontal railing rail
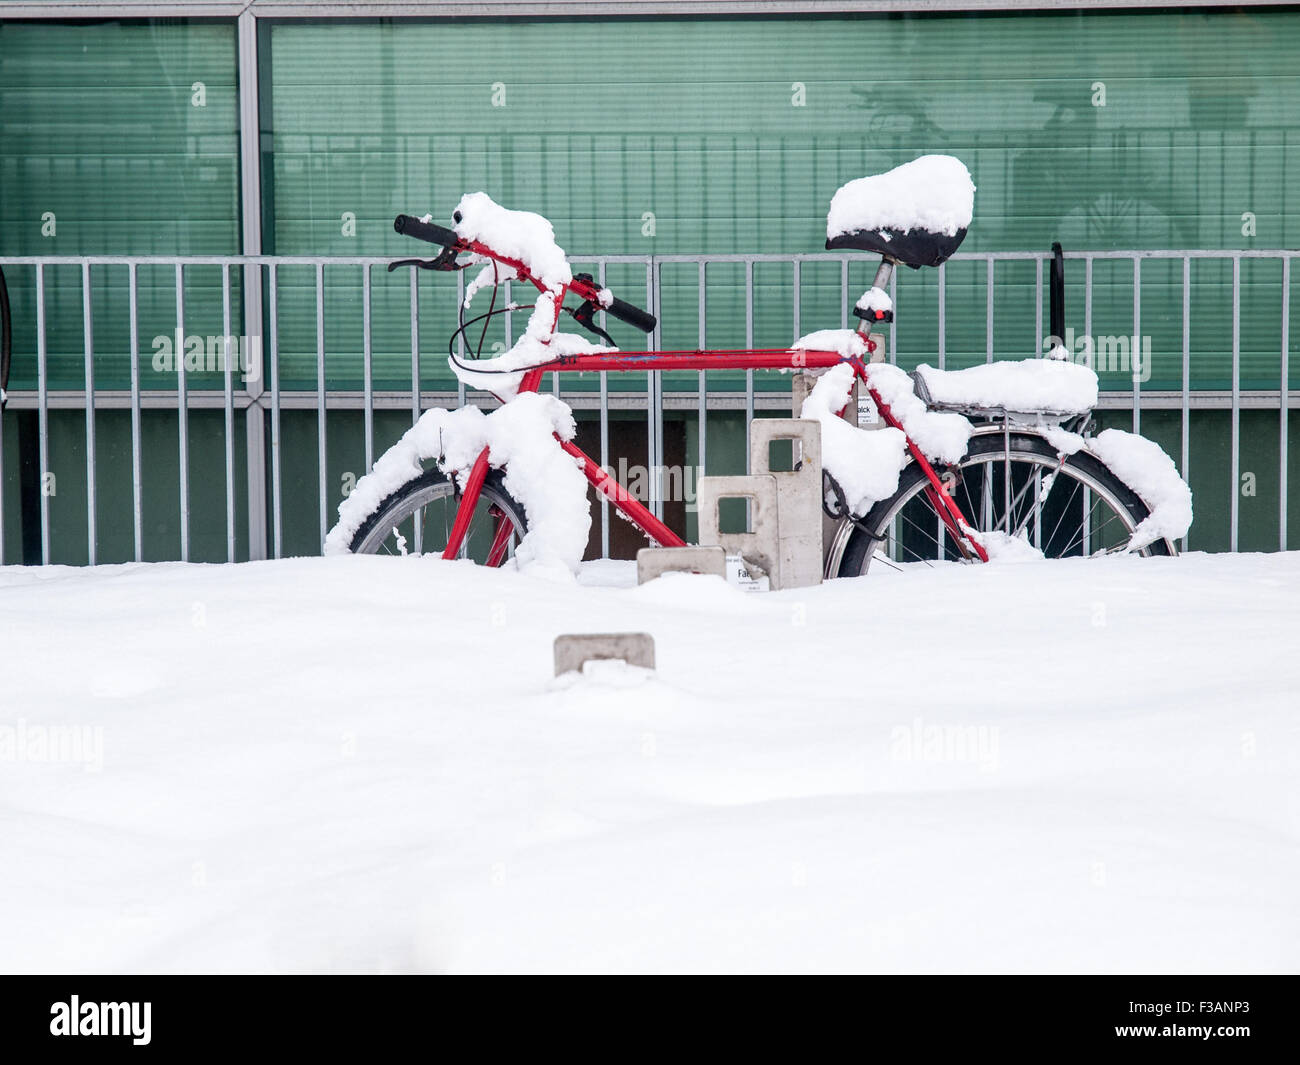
<point>261,401</point>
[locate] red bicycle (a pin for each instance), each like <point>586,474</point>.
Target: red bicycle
<point>964,465</point>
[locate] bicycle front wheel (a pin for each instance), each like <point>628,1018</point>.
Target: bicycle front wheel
<point>417,518</point>
<point>1060,507</point>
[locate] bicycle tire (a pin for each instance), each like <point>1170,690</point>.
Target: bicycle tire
<point>403,503</point>
<point>1027,449</point>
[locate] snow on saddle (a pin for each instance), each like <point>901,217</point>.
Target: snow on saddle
<point>1028,386</point>
<point>916,214</point>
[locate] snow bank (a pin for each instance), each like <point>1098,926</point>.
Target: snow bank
<point>847,342</point>
<point>1018,385</point>
<point>539,474</point>
<point>934,193</point>
<point>1001,546</point>
<point>866,463</point>
<point>401,787</point>
<point>520,235</point>
<point>942,436</point>
<point>1143,466</point>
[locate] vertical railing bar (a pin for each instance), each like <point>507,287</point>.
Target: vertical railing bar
<point>798,301</point>
<point>1038,310</point>
<point>415,347</point>
<point>604,434</point>
<point>844,293</point>
<point>1186,426</point>
<point>1284,402</point>
<point>943,320</point>
<point>1135,351</point>
<point>749,343</point>
<point>137,478</point>
<point>322,439</point>
<point>654,384</point>
<point>417,523</point>
<point>182,414</point>
<point>509,320</point>
<point>367,369</point>
<point>231,347</point>
<point>88,351</point>
<point>43,416</point>
<point>277,518</point>
<point>988,299</point>
<point>460,339</point>
<point>893,325</point>
<point>1087,311</point>
<point>704,382</point>
<point>1233,511</point>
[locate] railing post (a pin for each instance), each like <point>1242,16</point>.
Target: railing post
<point>250,187</point>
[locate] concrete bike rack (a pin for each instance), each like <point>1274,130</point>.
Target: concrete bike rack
<point>760,546</point>
<point>798,496</point>
<point>573,649</point>
<point>652,562</point>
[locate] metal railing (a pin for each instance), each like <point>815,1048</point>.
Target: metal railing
<point>253,400</point>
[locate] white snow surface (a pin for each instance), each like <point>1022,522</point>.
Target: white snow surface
<point>941,435</point>
<point>848,342</point>
<point>539,474</point>
<point>875,299</point>
<point>934,193</point>
<point>491,275</point>
<point>1016,384</point>
<point>521,235</point>
<point>865,462</point>
<point>1065,442</point>
<point>363,765</point>
<point>502,374</point>
<point>1143,466</point>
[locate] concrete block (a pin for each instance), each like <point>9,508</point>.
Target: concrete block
<point>798,496</point>
<point>573,649</point>
<point>652,562</point>
<point>760,547</point>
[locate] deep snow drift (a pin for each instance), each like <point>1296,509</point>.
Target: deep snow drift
<point>364,764</point>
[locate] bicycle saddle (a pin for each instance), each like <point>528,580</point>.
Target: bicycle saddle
<point>916,214</point>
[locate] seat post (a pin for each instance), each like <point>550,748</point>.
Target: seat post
<point>883,273</point>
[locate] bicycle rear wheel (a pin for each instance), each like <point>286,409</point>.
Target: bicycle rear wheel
<point>1063,508</point>
<point>417,519</point>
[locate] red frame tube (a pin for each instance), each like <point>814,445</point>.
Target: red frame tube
<point>630,506</point>
<point>468,501</point>
<point>754,359</point>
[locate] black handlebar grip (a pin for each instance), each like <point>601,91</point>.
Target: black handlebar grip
<point>634,316</point>
<point>413,227</point>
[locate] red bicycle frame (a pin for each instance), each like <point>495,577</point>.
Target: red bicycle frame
<point>609,487</point>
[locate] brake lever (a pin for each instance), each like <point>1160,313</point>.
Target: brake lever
<point>585,315</point>
<point>445,260</point>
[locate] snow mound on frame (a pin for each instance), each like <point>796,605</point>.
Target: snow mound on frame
<point>521,437</point>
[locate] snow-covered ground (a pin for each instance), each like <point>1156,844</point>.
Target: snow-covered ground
<point>365,764</point>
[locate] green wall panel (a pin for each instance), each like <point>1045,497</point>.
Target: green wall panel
<point>128,134</point>
<point>597,123</point>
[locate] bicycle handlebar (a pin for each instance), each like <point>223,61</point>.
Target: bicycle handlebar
<point>633,316</point>
<point>426,231</point>
<point>410,226</point>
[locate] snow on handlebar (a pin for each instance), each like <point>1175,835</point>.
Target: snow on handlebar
<point>519,239</point>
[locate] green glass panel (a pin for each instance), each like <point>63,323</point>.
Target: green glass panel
<point>1105,131</point>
